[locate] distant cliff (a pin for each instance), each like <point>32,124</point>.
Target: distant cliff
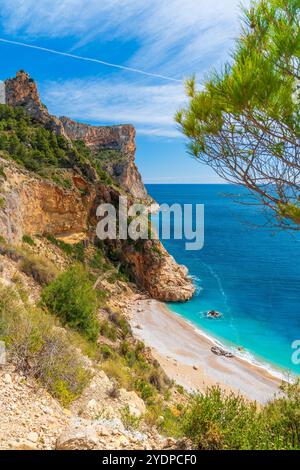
<point>120,140</point>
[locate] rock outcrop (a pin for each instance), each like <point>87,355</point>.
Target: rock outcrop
<point>157,271</point>
<point>22,91</point>
<point>118,138</point>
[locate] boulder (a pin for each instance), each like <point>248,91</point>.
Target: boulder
<point>77,438</point>
<point>221,352</point>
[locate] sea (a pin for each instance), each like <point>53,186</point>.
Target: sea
<point>248,270</point>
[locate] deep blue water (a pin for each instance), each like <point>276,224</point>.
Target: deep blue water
<point>248,273</point>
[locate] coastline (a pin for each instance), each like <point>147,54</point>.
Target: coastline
<point>185,354</point>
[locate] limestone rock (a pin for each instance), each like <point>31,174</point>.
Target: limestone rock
<point>120,138</point>
<point>77,438</point>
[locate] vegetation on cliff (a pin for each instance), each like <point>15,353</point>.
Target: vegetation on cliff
<point>41,150</point>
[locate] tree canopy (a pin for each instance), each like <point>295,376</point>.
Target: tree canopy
<point>245,122</point>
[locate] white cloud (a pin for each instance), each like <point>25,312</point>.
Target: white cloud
<point>150,108</point>
<point>172,36</point>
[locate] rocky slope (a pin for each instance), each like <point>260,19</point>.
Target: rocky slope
<point>30,419</point>
<point>49,192</point>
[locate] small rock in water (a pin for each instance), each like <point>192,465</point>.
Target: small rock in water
<point>214,314</point>
<point>195,367</point>
<point>221,352</point>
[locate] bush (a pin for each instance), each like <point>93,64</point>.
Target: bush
<point>117,370</point>
<point>72,298</point>
<point>109,331</point>
<point>40,348</point>
<point>40,269</point>
<point>121,322</point>
<point>282,416</point>
<point>129,420</point>
<point>106,351</point>
<point>215,420</point>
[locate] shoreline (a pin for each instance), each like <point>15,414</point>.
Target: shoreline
<point>246,356</point>
<point>184,352</point>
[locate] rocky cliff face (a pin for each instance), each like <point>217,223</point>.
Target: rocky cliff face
<point>32,205</point>
<point>116,138</point>
<point>158,272</point>
<point>35,206</point>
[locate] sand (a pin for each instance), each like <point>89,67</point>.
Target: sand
<point>185,355</point>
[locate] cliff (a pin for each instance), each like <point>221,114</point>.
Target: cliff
<point>62,198</point>
<point>119,163</point>
<point>22,91</point>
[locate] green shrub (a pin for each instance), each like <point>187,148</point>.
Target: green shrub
<point>2,173</point>
<point>121,322</point>
<point>106,351</point>
<point>215,420</point>
<point>282,416</point>
<point>72,298</point>
<point>116,369</point>
<point>129,420</point>
<point>109,331</point>
<point>40,348</point>
<point>76,251</point>
<point>27,239</point>
<point>42,270</point>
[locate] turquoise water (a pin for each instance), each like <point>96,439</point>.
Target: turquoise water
<point>249,273</point>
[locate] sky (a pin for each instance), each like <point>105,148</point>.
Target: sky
<point>167,40</point>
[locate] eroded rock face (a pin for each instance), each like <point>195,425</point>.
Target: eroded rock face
<point>36,206</point>
<point>155,270</point>
<point>118,138</point>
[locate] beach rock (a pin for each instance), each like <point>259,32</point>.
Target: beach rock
<point>77,438</point>
<point>221,352</point>
<point>214,314</point>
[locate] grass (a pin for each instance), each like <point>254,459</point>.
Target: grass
<point>40,269</point>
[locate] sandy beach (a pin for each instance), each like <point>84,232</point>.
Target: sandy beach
<point>186,355</point>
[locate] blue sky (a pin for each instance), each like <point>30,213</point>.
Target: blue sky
<point>173,38</point>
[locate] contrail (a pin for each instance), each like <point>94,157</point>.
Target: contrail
<point>89,59</point>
